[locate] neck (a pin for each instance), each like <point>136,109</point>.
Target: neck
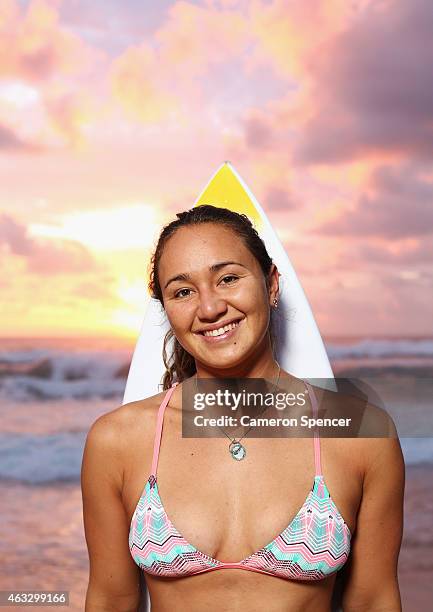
<point>259,365</point>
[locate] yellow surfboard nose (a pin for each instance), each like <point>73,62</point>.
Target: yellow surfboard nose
<point>225,190</point>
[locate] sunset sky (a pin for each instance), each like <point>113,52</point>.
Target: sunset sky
<point>114,115</point>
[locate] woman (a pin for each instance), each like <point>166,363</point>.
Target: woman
<point>192,519</point>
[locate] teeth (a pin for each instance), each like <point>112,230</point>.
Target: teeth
<point>221,330</point>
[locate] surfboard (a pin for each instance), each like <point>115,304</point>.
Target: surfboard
<point>299,346</point>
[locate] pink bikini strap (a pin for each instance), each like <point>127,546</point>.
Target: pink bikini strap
<point>158,432</point>
<point>314,404</point>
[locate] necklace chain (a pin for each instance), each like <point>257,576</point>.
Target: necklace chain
<point>236,449</point>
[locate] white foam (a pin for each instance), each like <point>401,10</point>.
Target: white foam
<point>380,348</point>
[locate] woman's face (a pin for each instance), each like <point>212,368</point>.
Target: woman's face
<point>202,291</point>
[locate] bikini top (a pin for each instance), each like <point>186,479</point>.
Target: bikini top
<point>315,544</point>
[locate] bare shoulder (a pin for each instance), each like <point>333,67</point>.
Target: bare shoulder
<point>371,439</point>
<point>113,434</point>
<point>130,414</point>
<point>378,441</point>
<point>110,449</point>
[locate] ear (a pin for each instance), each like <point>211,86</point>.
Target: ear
<point>273,284</point>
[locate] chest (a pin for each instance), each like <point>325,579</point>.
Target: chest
<point>229,509</point>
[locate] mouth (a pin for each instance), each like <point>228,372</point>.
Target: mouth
<point>223,333</point>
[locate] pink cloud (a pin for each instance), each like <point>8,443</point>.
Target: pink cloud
<point>168,76</point>
<point>95,290</point>
<point>39,53</point>
<point>289,32</point>
<point>280,199</point>
<point>258,130</point>
<point>44,257</point>
<point>12,142</point>
<point>416,252</point>
<point>36,47</point>
<point>69,111</point>
<point>370,87</point>
<point>384,304</point>
<point>358,84</point>
<point>395,204</point>
<point>198,37</point>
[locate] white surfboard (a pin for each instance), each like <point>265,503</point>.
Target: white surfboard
<point>299,346</point>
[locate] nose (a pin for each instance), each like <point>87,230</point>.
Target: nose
<point>211,306</point>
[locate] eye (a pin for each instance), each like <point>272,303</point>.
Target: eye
<point>177,294</point>
<point>230,276</point>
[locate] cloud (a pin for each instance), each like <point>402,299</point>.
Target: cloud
<point>278,199</point>
<point>34,45</point>
<point>389,303</point>
<point>44,257</point>
<point>369,87</point>
<point>288,31</point>
<point>258,131</point>
<point>138,87</point>
<point>69,112</point>
<point>14,235</point>
<point>11,142</point>
<point>48,76</point>
<point>415,252</point>
<point>166,76</point>
<point>396,204</point>
<point>357,86</point>
<point>95,289</point>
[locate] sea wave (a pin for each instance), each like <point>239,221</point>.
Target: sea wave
<point>36,459</point>
<point>46,374</point>
<point>380,348</point>
<point>51,374</point>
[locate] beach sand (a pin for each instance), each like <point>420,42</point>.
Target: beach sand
<point>42,543</point>
<point>416,557</point>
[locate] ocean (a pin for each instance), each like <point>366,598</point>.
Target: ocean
<point>52,390</point>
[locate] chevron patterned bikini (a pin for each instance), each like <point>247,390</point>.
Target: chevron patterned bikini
<point>314,545</point>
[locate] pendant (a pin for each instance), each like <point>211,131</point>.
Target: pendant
<point>237,450</point>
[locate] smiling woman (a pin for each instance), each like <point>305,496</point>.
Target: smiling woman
<point>262,531</point>
<point>249,278</point>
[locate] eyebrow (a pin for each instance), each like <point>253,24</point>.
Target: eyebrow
<point>213,268</point>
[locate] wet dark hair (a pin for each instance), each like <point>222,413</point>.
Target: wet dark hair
<point>180,364</point>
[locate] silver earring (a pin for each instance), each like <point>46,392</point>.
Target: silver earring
<point>275,303</point>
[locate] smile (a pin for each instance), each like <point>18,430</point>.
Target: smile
<point>221,333</point>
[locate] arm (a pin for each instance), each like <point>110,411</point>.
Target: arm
<point>113,579</point>
<point>372,584</point>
